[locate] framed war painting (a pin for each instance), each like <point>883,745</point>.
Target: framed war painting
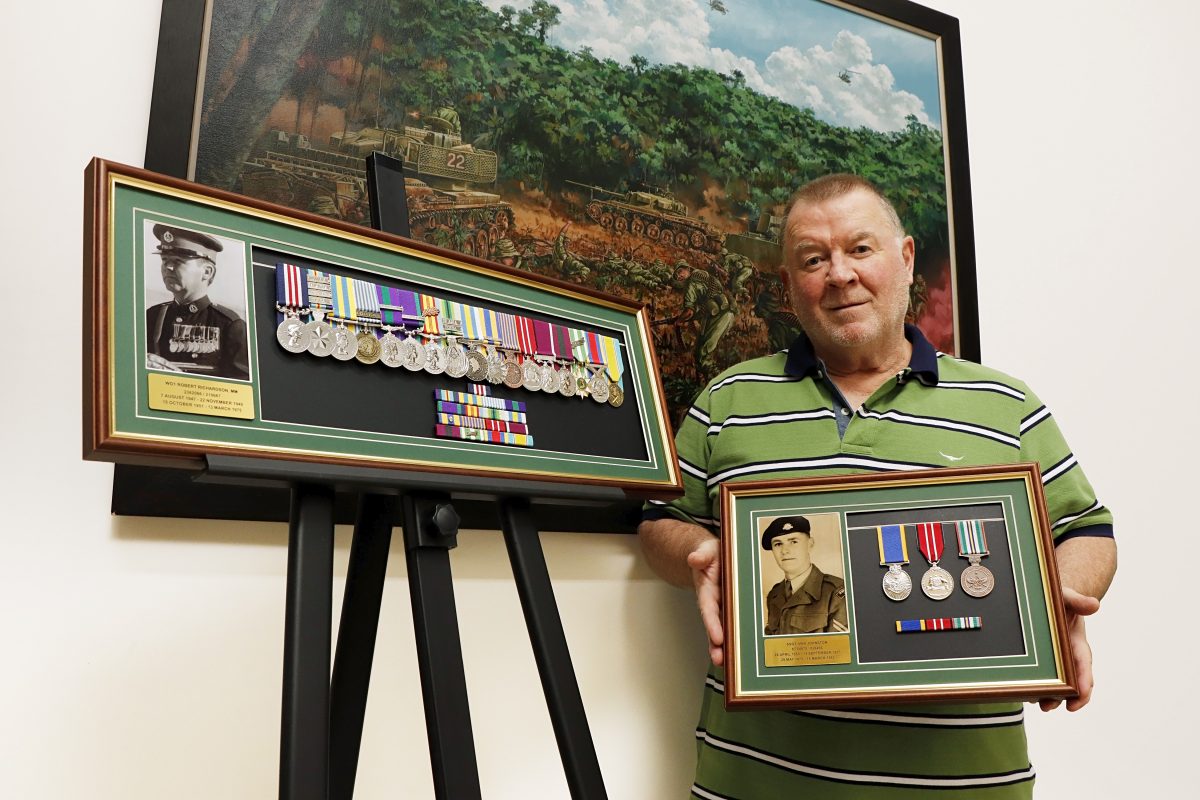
<point>642,150</point>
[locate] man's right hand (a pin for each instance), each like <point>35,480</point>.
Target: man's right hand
<point>705,563</point>
<point>689,555</point>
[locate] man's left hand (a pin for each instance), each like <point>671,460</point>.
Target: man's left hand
<point>1078,606</point>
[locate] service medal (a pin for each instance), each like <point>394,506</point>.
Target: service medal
<point>512,373</point>
<point>477,365</point>
<point>936,583</point>
<point>567,385</point>
<point>598,387</point>
<point>893,554</point>
<point>977,580</point>
<point>531,376</point>
<point>435,358</point>
<point>320,333</point>
<point>291,333</point>
<point>615,396</point>
<point>412,354</point>
<point>345,345</point>
<point>550,378</point>
<point>495,367</point>
<point>368,348</point>
<point>456,360</point>
<point>389,349</point>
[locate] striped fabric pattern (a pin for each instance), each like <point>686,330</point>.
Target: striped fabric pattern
<point>772,418</point>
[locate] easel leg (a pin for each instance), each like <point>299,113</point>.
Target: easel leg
<point>550,650</point>
<point>356,638</point>
<point>439,652</point>
<point>304,745</point>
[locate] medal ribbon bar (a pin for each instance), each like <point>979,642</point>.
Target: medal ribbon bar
<point>938,624</point>
<point>460,421</point>
<point>476,399</point>
<point>477,435</point>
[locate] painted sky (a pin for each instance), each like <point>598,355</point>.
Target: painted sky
<point>792,49</point>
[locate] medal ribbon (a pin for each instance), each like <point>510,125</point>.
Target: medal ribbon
<point>290,288</point>
<point>938,624</point>
<point>543,339</point>
<point>429,304</point>
<point>612,354</point>
<point>972,541</point>
<point>929,539</point>
<point>366,302</point>
<point>390,307</point>
<point>893,549</point>
<point>344,304</point>
<point>509,339</point>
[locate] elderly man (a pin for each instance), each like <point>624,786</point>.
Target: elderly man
<point>861,391</point>
<point>191,333</point>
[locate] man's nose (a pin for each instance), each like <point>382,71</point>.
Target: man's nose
<point>841,270</point>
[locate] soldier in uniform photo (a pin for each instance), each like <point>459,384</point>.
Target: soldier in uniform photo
<point>190,333</point>
<point>806,600</point>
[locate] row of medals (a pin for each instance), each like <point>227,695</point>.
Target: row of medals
<point>938,584</point>
<point>476,363</point>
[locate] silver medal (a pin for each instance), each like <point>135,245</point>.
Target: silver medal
<point>345,344</point>
<point>291,334</point>
<point>389,349</point>
<point>495,368</point>
<point>896,583</point>
<point>566,386</point>
<point>598,387</point>
<point>550,378</point>
<point>320,337</point>
<point>531,376</point>
<point>412,354</point>
<point>936,583</point>
<point>456,360</point>
<point>435,358</point>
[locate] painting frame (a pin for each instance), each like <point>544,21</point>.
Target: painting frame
<point>1008,643</point>
<point>178,88</point>
<point>145,404</point>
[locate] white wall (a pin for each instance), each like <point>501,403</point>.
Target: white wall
<point>142,658</point>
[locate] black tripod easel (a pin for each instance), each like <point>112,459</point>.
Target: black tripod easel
<point>322,717</point>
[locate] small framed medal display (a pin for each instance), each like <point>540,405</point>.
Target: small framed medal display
<point>219,324</point>
<point>933,585</point>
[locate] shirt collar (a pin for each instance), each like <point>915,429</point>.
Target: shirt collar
<point>802,360</point>
<point>197,305</point>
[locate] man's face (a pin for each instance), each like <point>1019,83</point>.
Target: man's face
<point>186,277</point>
<point>847,271</point>
<point>793,553</point>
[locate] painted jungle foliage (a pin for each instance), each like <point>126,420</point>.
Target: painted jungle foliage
<point>654,180</point>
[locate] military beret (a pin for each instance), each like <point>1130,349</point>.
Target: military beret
<point>781,525</point>
<point>185,243</point>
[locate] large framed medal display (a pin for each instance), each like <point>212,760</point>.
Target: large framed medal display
<point>219,324</point>
<point>932,585</point>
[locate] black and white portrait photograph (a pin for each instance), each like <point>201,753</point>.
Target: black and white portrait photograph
<point>195,302</point>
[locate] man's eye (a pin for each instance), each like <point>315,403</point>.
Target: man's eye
<point>812,262</point>
<point>861,249</point>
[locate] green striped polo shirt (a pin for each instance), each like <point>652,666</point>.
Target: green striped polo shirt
<point>776,417</point>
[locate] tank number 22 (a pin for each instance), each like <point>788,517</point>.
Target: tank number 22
<point>456,161</point>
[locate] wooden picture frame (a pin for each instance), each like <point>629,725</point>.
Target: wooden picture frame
<point>144,404</point>
<point>838,636</point>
